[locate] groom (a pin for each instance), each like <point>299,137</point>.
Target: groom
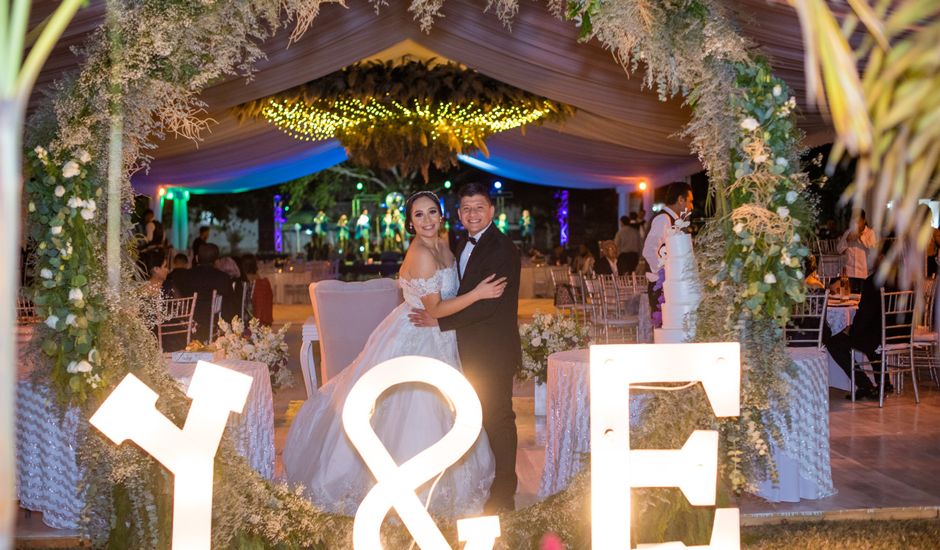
<point>488,334</point>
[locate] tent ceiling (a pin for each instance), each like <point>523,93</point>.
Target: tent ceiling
<point>621,133</point>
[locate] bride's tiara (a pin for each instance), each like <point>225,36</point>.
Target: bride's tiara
<point>423,194</point>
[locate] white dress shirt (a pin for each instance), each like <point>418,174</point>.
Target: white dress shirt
<point>858,252</point>
<point>655,240</point>
<point>467,250</point>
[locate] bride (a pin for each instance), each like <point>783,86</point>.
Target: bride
<point>411,417</point>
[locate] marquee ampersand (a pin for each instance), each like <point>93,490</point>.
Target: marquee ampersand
<point>396,484</point>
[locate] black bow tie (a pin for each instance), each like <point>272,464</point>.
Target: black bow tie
<point>472,240</point>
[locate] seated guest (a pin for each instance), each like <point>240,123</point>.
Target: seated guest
<point>559,256</point>
<point>203,279</point>
<point>813,282</point>
<point>864,334</point>
<point>156,273</point>
<point>262,297</point>
<point>180,267</point>
<point>583,261</point>
<point>611,262</point>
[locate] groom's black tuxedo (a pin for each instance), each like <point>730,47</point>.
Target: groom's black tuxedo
<point>490,353</point>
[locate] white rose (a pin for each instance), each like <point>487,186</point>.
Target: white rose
<point>71,169</point>
<point>770,279</point>
<point>31,207</point>
<point>760,159</point>
<point>76,294</point>
<point>791,197</point>
<point>56,229</point>
<point>87,213</point>
<point>70,320</point>
<point>72,367</point>
<point>777,90</point>
<point>749,124</point>
<point>782,162</point>
<point>91,205</point>
<point>59,191</point>
<point>40,151</point>
<point>83,366</point>
<point>536,342</point>
<point>52,321</point>
<point>75,202</point>
<point>45,273</point>
<point>783,212</point>
<point>739,227</point>
<point>84,157</point>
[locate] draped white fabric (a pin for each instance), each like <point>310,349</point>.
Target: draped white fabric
<point>621,133</point>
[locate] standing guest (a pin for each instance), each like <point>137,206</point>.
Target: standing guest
<point>262,297</point>
<point>342,233</point>
<point>180,267</point>
<point>933,250</point>
<point>203,279</point>
<point>526,231</point>
<point>202,239</point>
<point>628,243</point>
<point>502,223</point>
<point>363,235</point>
<point>611,263</point>
<point>641,224</point>
<point>856,245</point>
<point>678,200</point>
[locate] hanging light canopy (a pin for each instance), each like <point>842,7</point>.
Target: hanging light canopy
<point>407,115</point>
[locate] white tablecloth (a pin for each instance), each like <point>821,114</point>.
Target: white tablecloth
<point>47,474</point>
<point>568,418</point>
<point>803,462</point>
<point>280,282</point>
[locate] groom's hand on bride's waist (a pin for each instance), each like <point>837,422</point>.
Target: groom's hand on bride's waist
<point>421,318</point>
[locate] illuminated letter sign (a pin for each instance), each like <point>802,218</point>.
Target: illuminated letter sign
<point>616,469</point>
<point>130,413</point>
<point>396,484</point>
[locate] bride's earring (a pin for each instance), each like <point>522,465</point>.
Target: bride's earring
<point>411,227</point>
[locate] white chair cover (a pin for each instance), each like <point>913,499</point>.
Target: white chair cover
<point>346,314</point>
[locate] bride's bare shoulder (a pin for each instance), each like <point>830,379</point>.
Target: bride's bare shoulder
<point>419,263</point>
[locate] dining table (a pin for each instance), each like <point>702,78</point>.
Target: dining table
<point>49,478</point>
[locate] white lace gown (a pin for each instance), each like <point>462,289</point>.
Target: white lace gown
<point>408,419</point>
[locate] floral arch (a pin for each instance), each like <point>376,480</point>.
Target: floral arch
<point>141,80</point>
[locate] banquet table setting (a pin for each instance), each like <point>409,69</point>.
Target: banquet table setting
<point>48,474</point>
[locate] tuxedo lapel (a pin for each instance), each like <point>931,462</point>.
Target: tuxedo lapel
<point>478,250</point>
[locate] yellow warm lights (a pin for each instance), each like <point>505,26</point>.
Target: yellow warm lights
<point>325,119</point>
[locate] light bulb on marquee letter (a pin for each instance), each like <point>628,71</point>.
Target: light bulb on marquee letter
<point>130,413</point>
<point>616,469</point>
<point>396,484</point>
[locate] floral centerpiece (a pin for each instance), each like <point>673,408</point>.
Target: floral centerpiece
<point>545,335</point>
<point>258,343</point>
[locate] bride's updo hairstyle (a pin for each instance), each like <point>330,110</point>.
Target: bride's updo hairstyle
<point>409,227</point>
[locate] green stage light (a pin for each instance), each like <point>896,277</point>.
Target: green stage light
<point>447,184</point>
<point>359,186</point>
<point>170,195</point>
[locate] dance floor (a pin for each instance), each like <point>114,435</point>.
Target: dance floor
<point>883,460</point>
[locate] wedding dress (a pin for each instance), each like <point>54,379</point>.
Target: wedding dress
<point>408,419</point>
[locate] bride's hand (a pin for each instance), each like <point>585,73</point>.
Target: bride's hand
<point>491,287</point>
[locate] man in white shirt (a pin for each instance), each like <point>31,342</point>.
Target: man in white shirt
<point>629,243</point>
<point>678,200</point>
<point>856,245</point>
